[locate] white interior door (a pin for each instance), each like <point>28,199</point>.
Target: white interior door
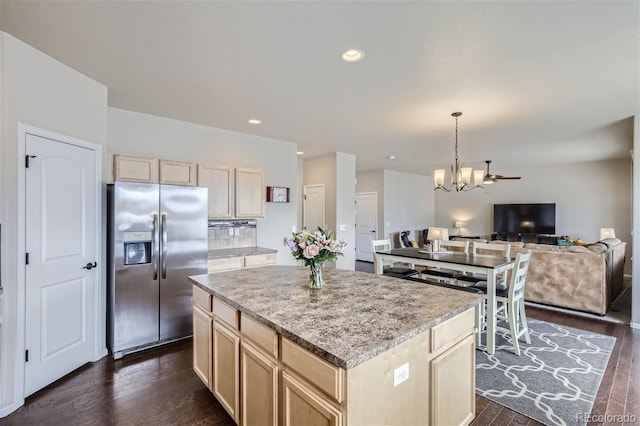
<point>61,194</point>
<point>366,224</point>
<point>313,207</point>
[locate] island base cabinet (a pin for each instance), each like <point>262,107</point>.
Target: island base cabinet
<point>226,368</point>
<point>303,405</point>
<point>452,376</point>
<point>259,405</point>
<point>202,338</point>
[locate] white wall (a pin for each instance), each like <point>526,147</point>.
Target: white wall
<point>408,203</point>
<point>346,208</point>
<point>147,135</point>
<point>588,196</point>
<point>42,92</point>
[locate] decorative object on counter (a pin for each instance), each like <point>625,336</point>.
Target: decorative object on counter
<point>315,248</point>
<point>459,224</point>
<point>277,194</point>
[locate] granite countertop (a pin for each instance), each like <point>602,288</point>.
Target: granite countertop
<point>238,252</point>
<point>354,317</point>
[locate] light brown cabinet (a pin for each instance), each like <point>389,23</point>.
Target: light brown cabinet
<point>202,345</point>
<point>303,405</point>
<point>226,368</point>
<point>240,262</point>
<point>220,180</point>
<point>234,192</point>
<point>250,193</point>
<point>263,378</point>
<point>177,173</point>
<point>151,170</point>
<point>259,386</point>
<point>135,169</point>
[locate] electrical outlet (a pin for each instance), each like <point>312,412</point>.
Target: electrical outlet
<point>400,374</point>
<point>231,232</point>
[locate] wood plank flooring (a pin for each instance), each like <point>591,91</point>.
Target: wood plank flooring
<point>158,387</point>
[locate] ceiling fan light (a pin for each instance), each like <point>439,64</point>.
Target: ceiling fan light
<point>488,180</point>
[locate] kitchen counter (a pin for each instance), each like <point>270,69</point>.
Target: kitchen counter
<point>239,252</point>
<point>355,317</point>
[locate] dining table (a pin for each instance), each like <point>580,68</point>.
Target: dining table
<point>490,265</point>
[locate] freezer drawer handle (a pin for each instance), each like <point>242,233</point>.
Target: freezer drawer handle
<point>90,266</point>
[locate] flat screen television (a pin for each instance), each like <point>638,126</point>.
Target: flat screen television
<point>524,218</point>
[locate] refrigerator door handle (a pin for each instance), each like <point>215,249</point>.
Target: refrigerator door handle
<point>164,246</point>
<point>154,247</point>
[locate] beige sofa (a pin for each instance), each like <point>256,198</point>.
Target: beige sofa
<point>582,278</point>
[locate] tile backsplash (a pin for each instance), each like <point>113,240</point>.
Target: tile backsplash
<point>225,234</point>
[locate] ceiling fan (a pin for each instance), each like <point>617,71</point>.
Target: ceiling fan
<point>489,178</point>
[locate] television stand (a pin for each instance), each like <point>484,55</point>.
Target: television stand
<point>525,237</point>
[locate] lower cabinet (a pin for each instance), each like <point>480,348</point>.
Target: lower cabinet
<point>259,385</point>
<point>226,368</point>
<point>262,378</point>
<point>202,345</point>
<point>303,405</point>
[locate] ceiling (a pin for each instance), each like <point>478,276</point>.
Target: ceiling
<point>537,82</point>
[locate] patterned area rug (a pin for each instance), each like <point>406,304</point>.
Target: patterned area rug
<point>555,379</point>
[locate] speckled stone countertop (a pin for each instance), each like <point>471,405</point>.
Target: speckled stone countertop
<point>238,252</point>
<point>354,317</point>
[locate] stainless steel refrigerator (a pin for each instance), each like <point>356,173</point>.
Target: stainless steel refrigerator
<point>157,237</point>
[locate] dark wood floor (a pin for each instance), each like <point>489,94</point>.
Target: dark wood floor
<point>158,387</point>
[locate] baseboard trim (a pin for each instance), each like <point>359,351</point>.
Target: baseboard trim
<point>634,325</point>
<point>5,411</point>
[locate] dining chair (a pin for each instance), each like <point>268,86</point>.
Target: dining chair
<point>511,302</point>
<point>442,274</point>
<point>488,249</point>
<point>390,269</point>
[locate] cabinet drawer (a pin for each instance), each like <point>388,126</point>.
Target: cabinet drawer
<point>264,337</point>
<point>324,375</point>
<point>225,264</point>
<point>452,330</point>
<point>260,260</point>
<point>202,299</point>
<point>225,313</point>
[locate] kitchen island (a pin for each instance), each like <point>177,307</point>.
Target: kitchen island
<point>365,349</point>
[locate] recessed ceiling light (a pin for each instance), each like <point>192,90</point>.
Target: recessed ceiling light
<point>300,152</point>
<point>352,55</point>
<point>391,157</point>
<point>254,121</point>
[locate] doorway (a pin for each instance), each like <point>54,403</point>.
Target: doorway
<point>313,207</point>
<point>60,190</point>
<point>366,224</point>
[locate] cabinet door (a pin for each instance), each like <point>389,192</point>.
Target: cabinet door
<point>302,405</point>
<point>226,368</point>
<point>135,169</point>
<point>202,338</point>
<point>259,387</point>
<point>177,173</point>
<point>451,372</point>
<point>220,181</point>
<point>250,193</point>
<point>260,260</point>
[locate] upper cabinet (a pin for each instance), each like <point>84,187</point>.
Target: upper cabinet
<point>177,173</point>
<point>135,169</point>
<point>220,181</point>
<point>234,192</point>
<point>250,193</point>
<point>151,170</point>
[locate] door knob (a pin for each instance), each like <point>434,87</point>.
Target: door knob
<point>373,230</point>
<point>90,266</point>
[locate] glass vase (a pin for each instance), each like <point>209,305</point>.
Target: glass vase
<point>315,276</point>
